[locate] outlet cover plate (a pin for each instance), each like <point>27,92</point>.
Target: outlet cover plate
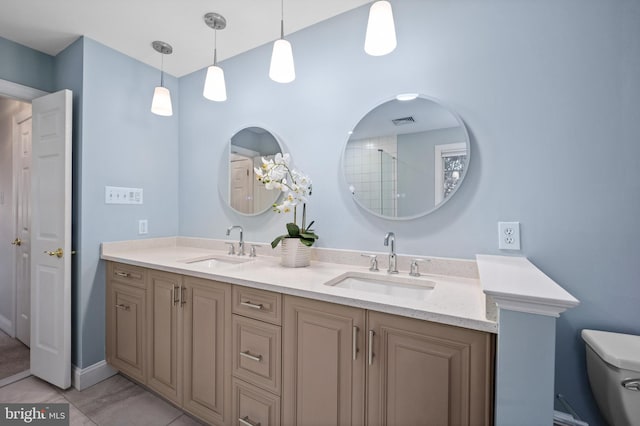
<point>509,235</point>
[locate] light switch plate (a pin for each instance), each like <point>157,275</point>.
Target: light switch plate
<point>121,195</point>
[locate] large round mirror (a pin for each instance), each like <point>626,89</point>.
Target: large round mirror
<point>246,149</point>
<point>406,157</point>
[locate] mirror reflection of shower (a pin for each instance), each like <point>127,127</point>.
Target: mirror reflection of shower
<point>371,167</point>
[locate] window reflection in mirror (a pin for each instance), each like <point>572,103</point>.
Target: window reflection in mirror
<point>246,150</point>
<point>405,158</point>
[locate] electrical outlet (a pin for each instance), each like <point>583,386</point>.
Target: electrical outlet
<point>143,227</point>
<point>509,235</point>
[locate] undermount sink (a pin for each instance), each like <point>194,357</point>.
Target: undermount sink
<point>390,285</point>
<point>215,261</point>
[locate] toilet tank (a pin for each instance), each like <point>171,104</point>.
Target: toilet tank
<point>613,365</point>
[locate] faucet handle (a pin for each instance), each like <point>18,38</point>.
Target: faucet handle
<point>252,250</point>
<point>232,249</point>
<point>373,261</point>
<point>414,269</point>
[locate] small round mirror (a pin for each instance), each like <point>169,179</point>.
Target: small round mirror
<point>246,149</point>
<point>406,157</point>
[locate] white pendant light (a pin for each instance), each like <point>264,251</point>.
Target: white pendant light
<point>161,103</point>
<point>282,69</point>
<point>381,31</point>
<point>215,88</point>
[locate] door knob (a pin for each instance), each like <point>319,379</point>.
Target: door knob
<point>57,253</point>
<point>17,242</point>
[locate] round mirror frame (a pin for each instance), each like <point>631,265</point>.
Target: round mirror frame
<point>436,206</point>
<point>224,179</point>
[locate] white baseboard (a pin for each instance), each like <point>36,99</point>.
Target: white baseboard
<point>6,325</point>
<point>8,380</point>
<point>82,378</point>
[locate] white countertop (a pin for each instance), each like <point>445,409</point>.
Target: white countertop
<point>457,298</point>
<point>514,283</point>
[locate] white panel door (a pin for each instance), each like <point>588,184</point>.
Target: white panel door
<point>51,239</point>
<point>23,227</point>
<point>242,185</point>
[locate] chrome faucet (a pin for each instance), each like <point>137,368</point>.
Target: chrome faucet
<point>393,261</point>
<point>241,242</point>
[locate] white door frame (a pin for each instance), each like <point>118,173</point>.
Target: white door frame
<point>26,94</point>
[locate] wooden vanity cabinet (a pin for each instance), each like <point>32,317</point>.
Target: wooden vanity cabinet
<point>189,328</point>
<point>233,355</point>
<point>126,316</point>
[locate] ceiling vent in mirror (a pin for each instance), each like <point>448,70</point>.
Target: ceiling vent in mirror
<point>404,120</point>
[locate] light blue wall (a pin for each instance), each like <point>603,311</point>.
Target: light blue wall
<point>25,66</point>
<point>123,144</point>
<point>550,94</point>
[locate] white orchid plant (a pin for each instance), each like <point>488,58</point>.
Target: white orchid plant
<point>296,188</point>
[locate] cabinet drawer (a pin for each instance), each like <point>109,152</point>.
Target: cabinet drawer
<point>127,274</point>
<point>259,304</point>
<point>253,406</point>
<point>257,353</point>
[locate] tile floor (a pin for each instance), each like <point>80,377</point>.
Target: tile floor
<point>116,401</point>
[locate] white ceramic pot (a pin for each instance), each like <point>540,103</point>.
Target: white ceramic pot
<point>294,253</point>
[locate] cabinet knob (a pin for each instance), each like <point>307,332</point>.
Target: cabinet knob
<point>17,242</point>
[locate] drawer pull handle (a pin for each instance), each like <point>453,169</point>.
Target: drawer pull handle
<point>251,305</point>
<point>245,421</point>
<point>355,342</point>
<point>371,334</point>
<point>256,358</point>
<point>183,296</point>
<point>174,291</point>
<point>122,274</point>
<point>123,306</point>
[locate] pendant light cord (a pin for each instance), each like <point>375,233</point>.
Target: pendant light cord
<point>162,69</point>
<point>282,19</point>
<point>215,47</point>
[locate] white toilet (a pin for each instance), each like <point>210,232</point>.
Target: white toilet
<point>613,366</point>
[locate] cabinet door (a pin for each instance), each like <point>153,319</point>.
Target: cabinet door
<point>422,373</point>
<point>323,363</point>
<point>207,348</point>
<point>164,334</point>
<point>125,329</point>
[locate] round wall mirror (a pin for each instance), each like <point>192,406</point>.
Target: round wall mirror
<point>406,157</point>
<point>246,149</point>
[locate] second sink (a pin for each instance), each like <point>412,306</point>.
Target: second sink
<point>215,261</point>
<point>391,285</point>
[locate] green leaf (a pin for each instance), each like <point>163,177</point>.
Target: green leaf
<point>277,240</point>
<point>308,236</point>
<point>293,229</point>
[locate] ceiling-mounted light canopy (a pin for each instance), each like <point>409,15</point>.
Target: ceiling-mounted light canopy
<point>282,69</point>
<point>215,88</point>
<point>161,103</point>
<point>381,31</point>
